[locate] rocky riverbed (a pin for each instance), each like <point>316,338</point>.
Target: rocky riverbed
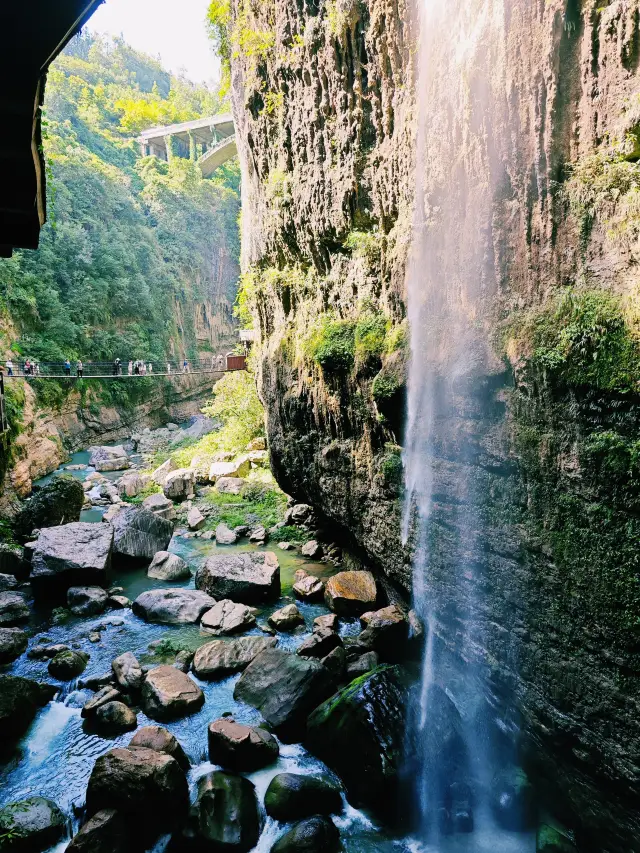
<point>173,682</point>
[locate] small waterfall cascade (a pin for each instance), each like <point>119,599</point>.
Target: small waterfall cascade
<point>453,375</point>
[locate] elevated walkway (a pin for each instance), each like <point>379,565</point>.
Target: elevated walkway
<point>210,139</point>
<point>107,369</point>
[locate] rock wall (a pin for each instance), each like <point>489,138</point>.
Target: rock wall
<point>542,137</point>
<point>49,435</point>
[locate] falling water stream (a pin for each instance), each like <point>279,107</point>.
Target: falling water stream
<point>450,285</point>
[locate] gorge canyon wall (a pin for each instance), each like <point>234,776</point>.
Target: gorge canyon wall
<point>541,139</point>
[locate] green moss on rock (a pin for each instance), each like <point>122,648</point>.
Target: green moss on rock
<point>332,345</point>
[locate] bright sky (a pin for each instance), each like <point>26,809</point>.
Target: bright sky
<point>173,29</point>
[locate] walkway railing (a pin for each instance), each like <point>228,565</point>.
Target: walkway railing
<point>4,421</point>
<point>133,369</point>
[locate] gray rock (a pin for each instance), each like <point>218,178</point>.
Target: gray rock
<point>292,796</point>
<point>12,560</point>
<point>298,514</point>
<point>105,832</point>
<point>160,506</point>
<point>118,602</point>
<point>130,485</point>
<point>361,665</point>
<point>227,617</point>
<point>67,665</point>
<point>149,788</point>
<point>225,536</point>
<point>195,519</point>
<point>161,740</point>
<point>320,643</point>
<point>87,600</point>
<point>114,718</point>
<point>285,546</point>
<point>336,663</point>
<point>20,700</point>
<point>110,459</point>
<point>172,606</point>
<point>240,469</point>
<point>227,815</point>
<point>161,473</point>
<point>59,502</point>
<point>287,618</point>
<point>241,748</point>
<point>312,549</point>
<point>180,484</point>
<point>230,485</point>
<point>13,643</point>
<point>13,609</point>
<point>316,834</point>
<point>46,652</point>
<point>106,694</point>
<point>285,688</point>
<point>250,577</point>
<point>127,672</point>
<point>35,825</point>
<point>328,620</point>
<point>220,658</point>
<point>168,567</point>
<point>139,534</point>
<point>258,535</point>
<point>71,555</point>
<point>307,587</point>
<point>168,694</point>
<point>7,582</point>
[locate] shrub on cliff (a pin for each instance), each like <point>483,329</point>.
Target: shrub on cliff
<point>332,345</point>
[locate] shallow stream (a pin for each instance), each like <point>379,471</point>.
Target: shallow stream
<point>56,756</point>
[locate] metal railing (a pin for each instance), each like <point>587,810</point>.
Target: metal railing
<point>4,421</point>
<point>127,369</point>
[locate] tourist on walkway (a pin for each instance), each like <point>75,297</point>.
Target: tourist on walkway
<point>168,367</point>
<point>130,368</point>
<point>79,369</point>
<point>150,368</point>
<point>67,368</point>
<point>116,367</point>
<point>9,365</point>
<point>136,368</point>
<point>185,366</point>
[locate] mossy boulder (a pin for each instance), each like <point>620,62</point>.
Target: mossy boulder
<point>59,502</point>
<point>292,796</point>
<point>30,826</point>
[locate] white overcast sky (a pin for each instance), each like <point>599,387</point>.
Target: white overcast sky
<point>173,29</point>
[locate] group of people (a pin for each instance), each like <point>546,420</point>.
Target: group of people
<point>135,368</point>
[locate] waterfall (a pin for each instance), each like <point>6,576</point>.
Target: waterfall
<point>451,289</point>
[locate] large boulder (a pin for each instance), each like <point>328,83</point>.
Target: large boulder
<point>226,816</point>
<point>168,567</point>
<point>307,587</point>
<point>220,658</point>
<point>312,549</point>
<point>109,459</point>
<point>316,834</point>
<point>67,665</point>
<point>72,555</point>
<point>251,577</point>
<point>180,484</point>
<point>240,468</point>
<point>107,693</point>
<point>227,617</point>
<point>241,748</point>
<point>114,718</point>
<point>87,600</point>
<point>8,582</point>
<point>162,472</point>
<point>299,514</point>
<point>286,619</point>
<point>31,825</point>
<point>130,485</point>
<point>230,485</point>
<point>160,506</point>
<point>293,796</point>
<point>59,502</point>
<point>285,688</point>
<point>351,593</point>
<point>172,606</point>
<point>127,672</point>
<point>161,740</point>
<point>149,788</point>
<point>195,519</point>
<point>169,694</point>
<point>138,535</point>
<point>320,644</point>
<point>360,733</point>
<point>386,631</point>
<point>105,832</point>
<point>13,609</point>
<point>20,700</point>
<point>12,560</point>
<point>13,643</point>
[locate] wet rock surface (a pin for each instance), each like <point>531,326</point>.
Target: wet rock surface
<point>292,796</point>
<point>168,694</point>
<point>13,609</point>
<point>139,534</point>
<point>70,555</point>
<point>161,740</point>
<point>227,617</point>
<point>105,832</point>
<point>59,502</point>
<point>249,578</point>
<point>226,813</point>
<point>31,825</point>
<point>241,748</point>
<point>351,593</point>
<point>87,600</point>
<point>313,835</point>
<point>13,643</point>
<point>168,567</point>
<point>220,658</point>
<point>172,606</point>
<point>20,700</point>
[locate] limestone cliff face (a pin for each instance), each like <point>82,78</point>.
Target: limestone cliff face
<point>539,144</point>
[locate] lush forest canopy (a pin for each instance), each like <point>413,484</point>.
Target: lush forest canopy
<point>132,243</point>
